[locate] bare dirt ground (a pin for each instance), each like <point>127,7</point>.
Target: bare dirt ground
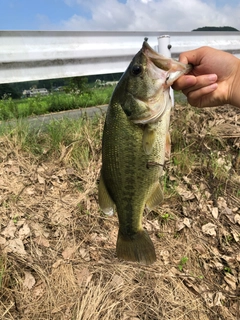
<point>57,249</point>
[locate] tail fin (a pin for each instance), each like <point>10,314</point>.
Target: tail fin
<point>137,248</point>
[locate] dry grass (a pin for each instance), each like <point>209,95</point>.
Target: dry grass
<point>58,250</point>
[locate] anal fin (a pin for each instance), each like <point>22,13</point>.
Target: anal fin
<point>156,197</point>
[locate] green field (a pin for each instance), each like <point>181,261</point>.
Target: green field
<point>21,108</point>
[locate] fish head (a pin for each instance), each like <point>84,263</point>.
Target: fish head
<point>144,87</point>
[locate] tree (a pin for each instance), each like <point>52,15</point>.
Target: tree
<point>77,85</point>
<point>225,28</point>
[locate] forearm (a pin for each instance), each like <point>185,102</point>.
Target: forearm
<point>235,88</point>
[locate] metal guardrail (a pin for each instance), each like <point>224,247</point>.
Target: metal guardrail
<point>35,55</point>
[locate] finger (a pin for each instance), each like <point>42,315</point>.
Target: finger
<point>183,58</point>
<point>184,82</point>
<point>196,97</point>
<point>201,82</point>
<point>192,56</point>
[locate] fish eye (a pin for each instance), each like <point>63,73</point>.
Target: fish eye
<point>136,70</point>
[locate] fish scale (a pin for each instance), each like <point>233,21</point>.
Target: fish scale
<point>129,188</point>
<point>133,150</point>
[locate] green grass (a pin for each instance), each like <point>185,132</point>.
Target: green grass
<point>77,142</point>
<point>15,109</point>
<point>192,155</point>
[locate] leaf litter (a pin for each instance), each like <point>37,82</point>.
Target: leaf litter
<point>58,250</point>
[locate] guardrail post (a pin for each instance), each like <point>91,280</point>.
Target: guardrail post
<point>164,48</point>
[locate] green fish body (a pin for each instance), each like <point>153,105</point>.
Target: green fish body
<point>133,152</point>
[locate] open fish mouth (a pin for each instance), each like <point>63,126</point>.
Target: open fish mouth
<point>174,69</point>
<point>163,72</point>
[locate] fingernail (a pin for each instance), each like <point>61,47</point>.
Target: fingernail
<point>212,77</point>
<point>213,86</point>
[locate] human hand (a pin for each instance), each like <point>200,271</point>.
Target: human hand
<point>214,79</point>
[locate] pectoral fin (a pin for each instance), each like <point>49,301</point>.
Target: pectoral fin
<point>105,201</point>
<point>155,198</point>
<point>149,138</point>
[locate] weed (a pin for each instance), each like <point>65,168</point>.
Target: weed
<point>2,270</point>
<point>184,160</point>
<point>166,217</point>
<point>182,263</point>
<point>8,109</point>
<point>160,235</point>
<point>228,239</point>
<point>227,269</point>
<point>15,219</point>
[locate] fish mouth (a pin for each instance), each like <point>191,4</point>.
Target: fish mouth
<point>174,69</point>
<point>164,71</point>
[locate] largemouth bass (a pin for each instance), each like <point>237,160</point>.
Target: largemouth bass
<point>134,143</point>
